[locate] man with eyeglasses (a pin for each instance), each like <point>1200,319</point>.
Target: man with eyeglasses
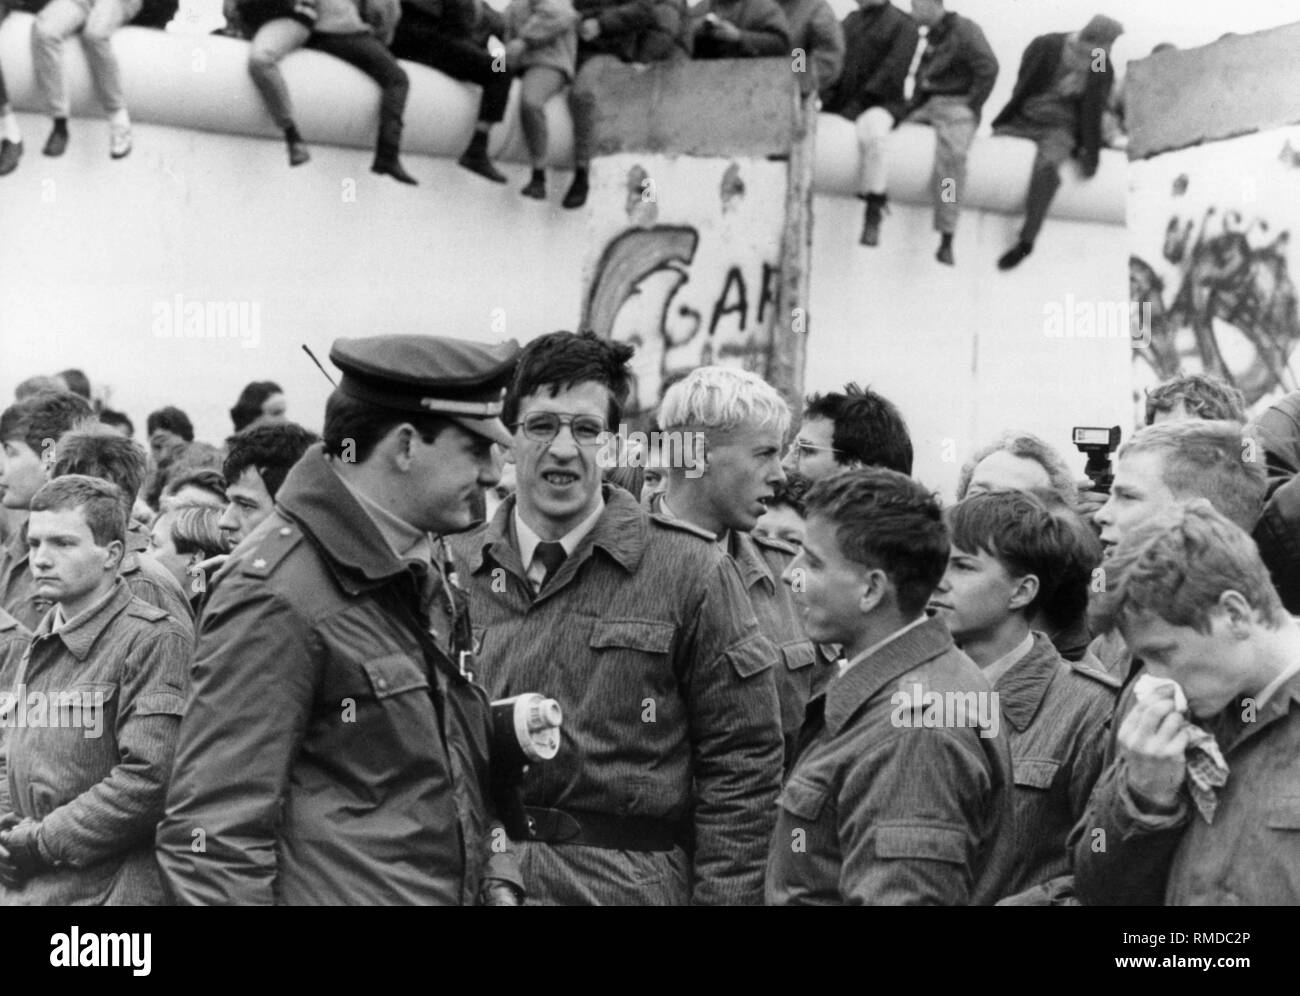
<point>846,430</point>
<point>640,627</point>
<point>257,461</point>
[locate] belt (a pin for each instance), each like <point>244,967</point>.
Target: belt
<point>616,833</point>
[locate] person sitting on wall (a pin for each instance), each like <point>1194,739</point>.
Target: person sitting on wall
<point>817,35</point>
<point>96,20</point>
<point>739,29</point>
<point>542,48</point>
<point>1058,103</point>
<point>611,31</point>
<point>442,34</point>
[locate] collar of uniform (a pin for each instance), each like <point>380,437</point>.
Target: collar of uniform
<point>621,530</point>
<point>529,540</point>
<point>749,559</point>
<point>80,633</point>
<point>18,546</point>
<point>1022,686</point>
<point>8,622</point>
<point>900,654</point>
<point>940,31</point>
<point>317,498</point>
<point>404,540</point>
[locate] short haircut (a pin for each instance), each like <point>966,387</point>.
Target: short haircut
<point>97,451</point>
<point>1208,460</point>
<point>1068,605</point>
<point>272,449</point>
<point>102,504</point>
<point>171,419</point>
<point>211,481</point>
<point>194,529</point>
<point>353,428</point>
<point>1176,564</point>
<point>560,360</point>
<point>885,520</point>
<point>40,384</point>
<point>724,398</point>
<point>791,493</point>
<point>110,417</point>
<point>1203,396</point>
<point>42,417</point>
<point>1027,446</point>
<point>867,428</point>
<point>251,399</point>
<point>1017,530</point>
<point>77,381</point>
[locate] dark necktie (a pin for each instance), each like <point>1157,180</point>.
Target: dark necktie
<point>551,555</point>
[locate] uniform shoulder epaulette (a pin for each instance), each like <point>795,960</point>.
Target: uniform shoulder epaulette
<point>683,525</point>
<point>1088,671</point>
<point>262,559</point>
<point>7,623</point>
<point>143,610</point>
<point>771,543</point>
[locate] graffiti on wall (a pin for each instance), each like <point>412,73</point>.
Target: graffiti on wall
<point>1218,282</point>
<point>645,291</point>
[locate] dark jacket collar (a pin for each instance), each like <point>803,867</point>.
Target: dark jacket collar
<point>851,690</point>
<point>317,500</point>
<point>1022,688</point>
<point>80,636</point>
<point>622,531</point>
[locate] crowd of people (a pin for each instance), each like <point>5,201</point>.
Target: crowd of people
<point>263,672</point>
<point>873,70</point>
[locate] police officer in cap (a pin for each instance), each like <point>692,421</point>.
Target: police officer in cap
<point>335,749</point>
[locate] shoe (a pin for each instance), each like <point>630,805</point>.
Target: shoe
<point>393,167</point>
<point>57,142</point>
<point>10,153</point>
<point>944,255</point>
<point>478,162</point>
<point>298,153</point>
<point>119,141</point>
<point>1014,256</point>
<point>536,188</point>
<point>577,195</point>
<point>871,222</point>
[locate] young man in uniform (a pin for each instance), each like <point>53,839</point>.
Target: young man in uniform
<point>640,627</point>
<point>334,749</point>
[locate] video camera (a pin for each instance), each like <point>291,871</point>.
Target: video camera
<point>1098,444</point>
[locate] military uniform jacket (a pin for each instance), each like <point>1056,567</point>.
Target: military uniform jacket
<point>1057,719</point>
<point>876,812</point>
<point>646,638</point>
<point>14,637</point>
<point>331,753</point>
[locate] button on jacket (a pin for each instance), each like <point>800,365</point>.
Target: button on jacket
<point>119,672</point>
<point>1125,854</point>
<point>331,753</point>
<point>876,812</point>
<point>1057,719</point>
<point>648,642</point>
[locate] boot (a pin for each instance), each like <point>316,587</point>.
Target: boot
<point>10,153</point>
<point>944,255</point>
<point>577,195</point>
<point>475,159</point>
<point>387,164</point>
<point>876,209</point>
<point>298,153</point>
<point>1014,256</point>
<point>58,140</point>
<point>536,188</point>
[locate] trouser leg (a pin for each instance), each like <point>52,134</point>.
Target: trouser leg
<point>274,40</point>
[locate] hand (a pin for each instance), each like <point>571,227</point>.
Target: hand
<point>515,50</point>
<point>497,892</point>
<point>1152,740</point>
<point>19,857</point>
<point>725,30</point>
<point>589,29</point>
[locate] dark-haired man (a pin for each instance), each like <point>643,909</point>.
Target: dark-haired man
<point>853,428</point>
<point>257,462</point>
<point>168,429</point>
<point>639,625</point>
<point>335,749</point>
<point>29,431</point>
<point>87,791</point>
<point>900,791</point>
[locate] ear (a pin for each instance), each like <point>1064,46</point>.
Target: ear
<point>1238,613</point>
<point>1025,591</point>
<point>397,445</point>
<point>875,586</point>
<point>113,555</point>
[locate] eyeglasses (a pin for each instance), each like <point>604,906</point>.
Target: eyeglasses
<point>803,448</point>
<point>543,427</point>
